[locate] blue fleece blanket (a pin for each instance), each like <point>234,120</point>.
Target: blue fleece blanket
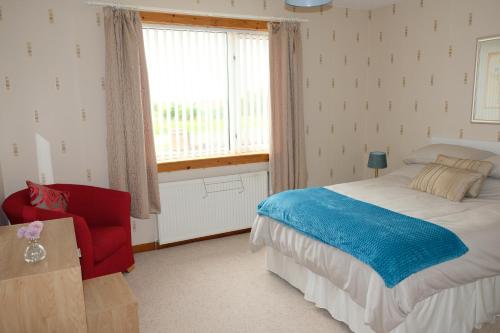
<point>394,245</point>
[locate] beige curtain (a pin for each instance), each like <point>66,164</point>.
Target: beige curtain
<point>131,151</point>
<point>287,155</point>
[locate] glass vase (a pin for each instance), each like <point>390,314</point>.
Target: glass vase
<point>34,252</point>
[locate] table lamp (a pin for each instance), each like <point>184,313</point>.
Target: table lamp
<point>377,160</point>
<point>307,3</point>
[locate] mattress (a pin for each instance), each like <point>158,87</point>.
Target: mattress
<point>475,221</point>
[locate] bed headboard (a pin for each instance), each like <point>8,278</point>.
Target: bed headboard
<point>492,146</point>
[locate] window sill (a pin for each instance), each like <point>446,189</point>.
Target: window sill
<point>212,162</point>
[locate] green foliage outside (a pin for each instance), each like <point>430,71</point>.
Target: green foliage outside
<point>192,120</point>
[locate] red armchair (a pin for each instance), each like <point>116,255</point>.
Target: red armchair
<point>102,225</point>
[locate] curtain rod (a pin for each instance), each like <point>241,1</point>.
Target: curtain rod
<point>195,13</point>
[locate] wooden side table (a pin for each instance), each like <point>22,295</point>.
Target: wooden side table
<point>111,307</point>
<point>46,296</point>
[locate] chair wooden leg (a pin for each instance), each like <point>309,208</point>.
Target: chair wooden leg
<point>130,269</point>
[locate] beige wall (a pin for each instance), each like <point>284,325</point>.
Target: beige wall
<point>53,63</point>
<point>432,44</point>
<point>52,92</point>
<point>51,68</point>
<point>52,125</point>
<point>3,219</point>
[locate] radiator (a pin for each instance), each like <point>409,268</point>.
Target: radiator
<point>209,206</point>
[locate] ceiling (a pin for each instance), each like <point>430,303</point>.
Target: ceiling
<point>362,4</point>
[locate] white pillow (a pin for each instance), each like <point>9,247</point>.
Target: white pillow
<point>428,154</point>
<point>491,188</point>
<point>495,172</point>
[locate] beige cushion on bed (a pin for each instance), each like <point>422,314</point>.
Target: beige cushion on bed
<point>428,154</point>
<point>495,172</point>
<point>447,182</point>
<point>483,167</point>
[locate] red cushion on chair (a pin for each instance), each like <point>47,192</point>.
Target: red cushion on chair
<point>46,198</point>
<point>106,241</point>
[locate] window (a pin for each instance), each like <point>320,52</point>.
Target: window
<point>209,91</point>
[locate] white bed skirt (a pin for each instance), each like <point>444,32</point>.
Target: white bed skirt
<point>457,310</point>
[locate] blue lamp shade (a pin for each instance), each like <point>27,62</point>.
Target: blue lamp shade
<point>307,3</point>
<point>377,160</point>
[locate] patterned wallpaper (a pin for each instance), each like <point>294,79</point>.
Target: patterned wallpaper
<point>386,79</point>
<point>3,218</point>
<point>421,80</point>
<point>52,121</point>
<point>52,125</point>
<point>335,46</point>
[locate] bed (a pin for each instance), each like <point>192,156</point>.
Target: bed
<point>455,296</point>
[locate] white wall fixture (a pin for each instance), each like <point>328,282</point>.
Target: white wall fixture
<point>307,3</point>
<point>44,159</point>
<point>209,206</point>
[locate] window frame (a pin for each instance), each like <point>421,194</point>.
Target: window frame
<point>202,21</point>
<point>167,19</point>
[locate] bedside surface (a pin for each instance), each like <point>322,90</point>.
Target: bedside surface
<point>46,296</point>
<point>110,305</point>
<point>58,239</point>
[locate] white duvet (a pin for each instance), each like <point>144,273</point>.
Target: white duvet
<point>475,221</point>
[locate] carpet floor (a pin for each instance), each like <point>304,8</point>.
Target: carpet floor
<point>220,286</point>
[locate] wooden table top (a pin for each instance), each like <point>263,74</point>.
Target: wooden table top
<point>58,239</point>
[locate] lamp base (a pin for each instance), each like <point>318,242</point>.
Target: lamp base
<point>376,173</point>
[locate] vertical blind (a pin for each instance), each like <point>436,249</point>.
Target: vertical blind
<point>209,91</point>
